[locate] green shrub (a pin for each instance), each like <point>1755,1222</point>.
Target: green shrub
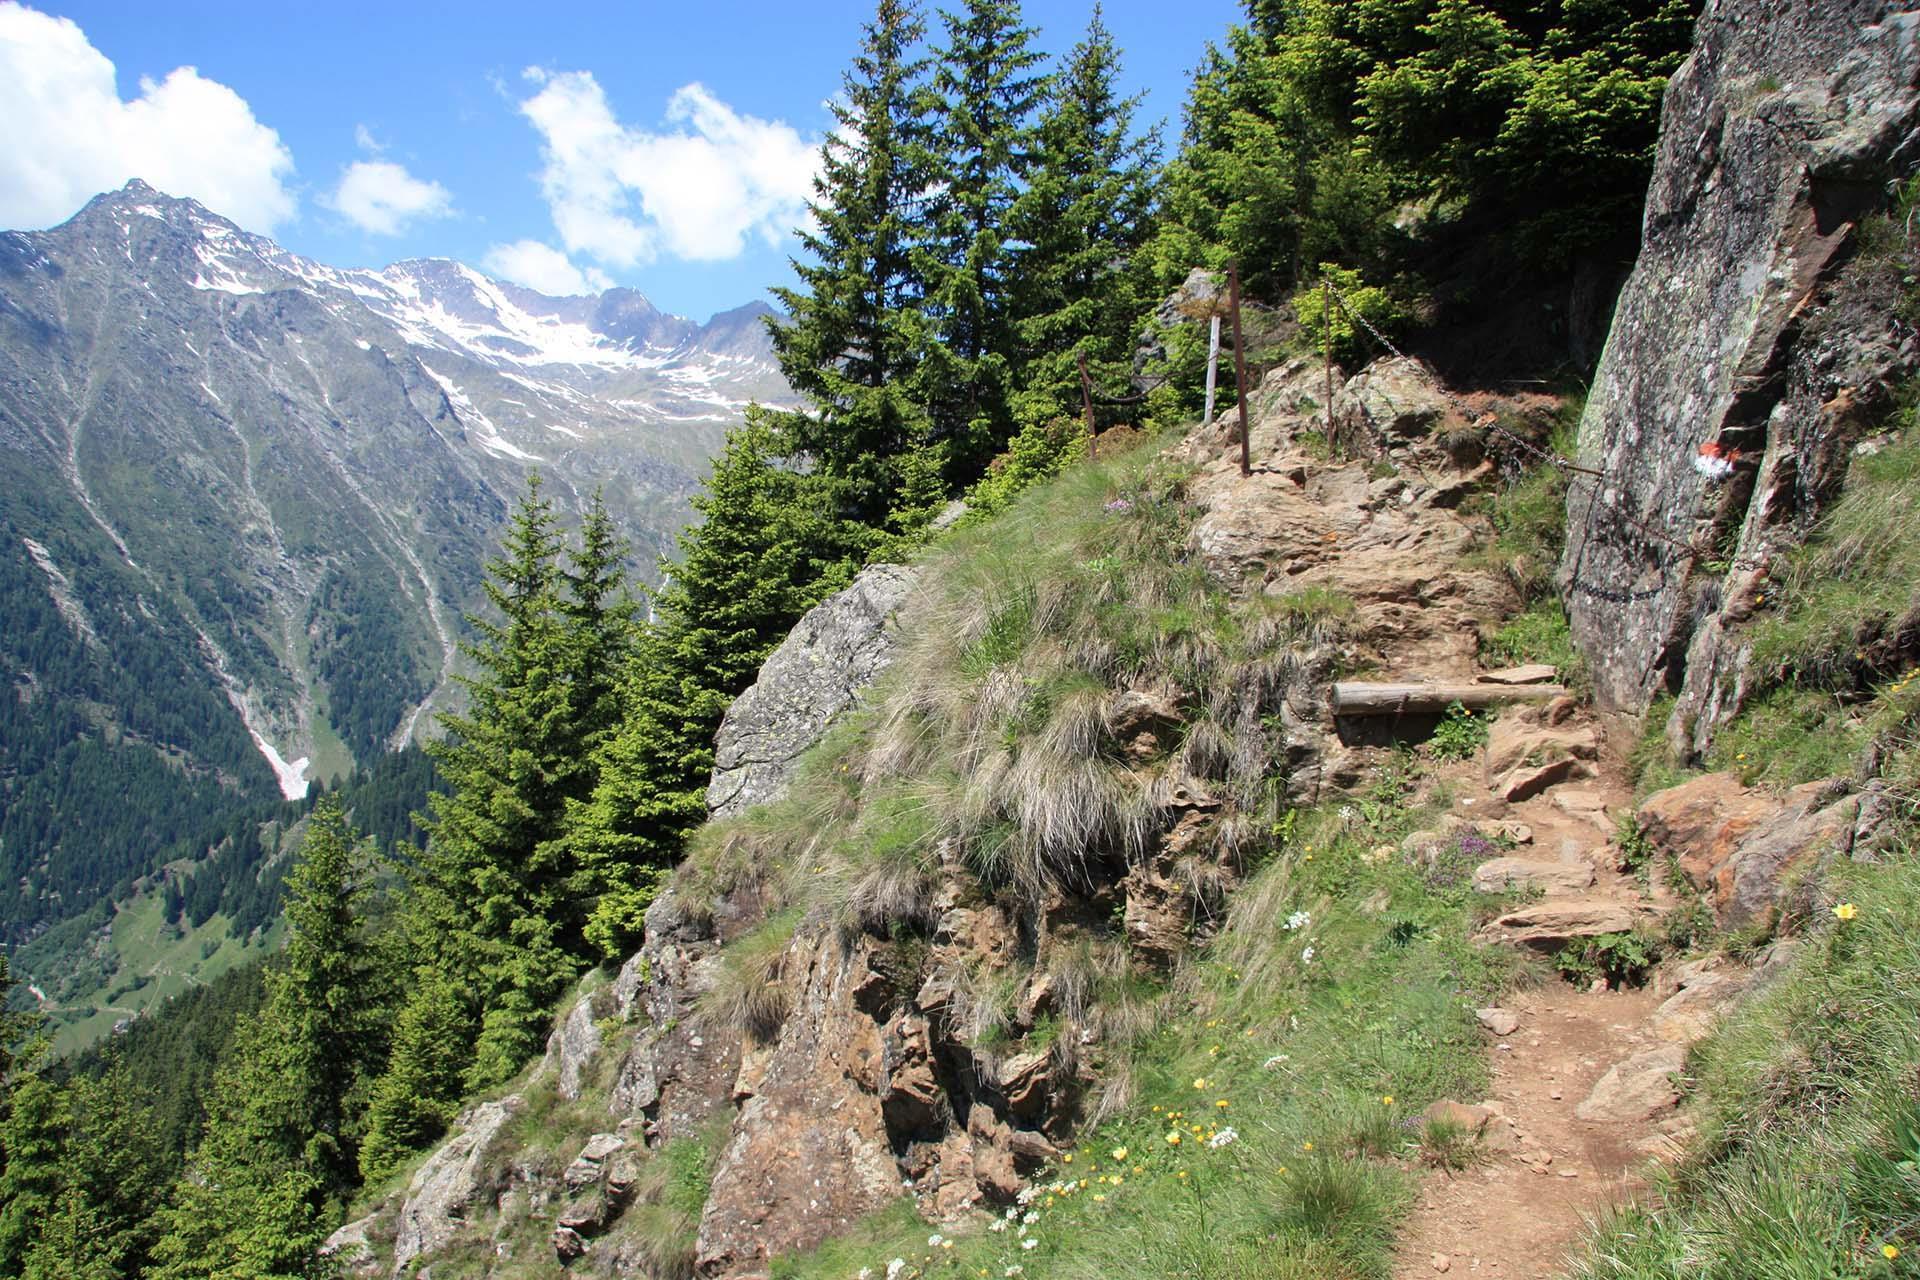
<point>1368,302</point>
<point>1459,735</point>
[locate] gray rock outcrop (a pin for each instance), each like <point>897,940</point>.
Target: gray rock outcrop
<point>818,671</point>
<point>1734,344</point>
<point>453,1178</point>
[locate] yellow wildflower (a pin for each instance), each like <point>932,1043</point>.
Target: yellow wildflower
<point>1846,911</point>
<point>1200,1082</point>
<point>1067,1158</point>
<point>1173,1139</point>
<point>1889,1252</point>
<point>1306,1146</point>
<point>1119,1153</point>
<point>1222,1104</point>
<point>1386,1100</point>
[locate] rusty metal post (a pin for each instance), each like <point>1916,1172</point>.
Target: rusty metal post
<point>1086,398</point>
<point>1326,329</point>
<point>1239,365</point>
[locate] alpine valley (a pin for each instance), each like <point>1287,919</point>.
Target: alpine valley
<point>246,499</point>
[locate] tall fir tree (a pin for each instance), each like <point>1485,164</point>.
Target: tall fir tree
<point>1084,216</point>
<point>854,332</point>
<point>989,88</point>
<point>281,1145</point>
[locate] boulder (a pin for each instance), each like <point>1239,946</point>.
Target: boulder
<point>453,1178</point>
<point>351,1251</point>
<point>1636,1089</point>
<point>819,670</point>
<point>673,1077</point>
<point>1690,1013</point>
<point>1502,1022</point>
<point>587,1166</point>
<point>1737,843</point>
<point>1516,741</point>
<point>571,1047</point>
<point>1502,874</point>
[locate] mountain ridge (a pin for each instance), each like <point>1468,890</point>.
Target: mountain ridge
<point>284,479</point>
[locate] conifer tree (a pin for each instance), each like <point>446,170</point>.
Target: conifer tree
<point>33,1134</point>
<point>1084,216</point>
<point>854,334</point>
<point>489,879</point>
<point>983,153</point>
<point>420,1090</point>
<point>280,1145</point>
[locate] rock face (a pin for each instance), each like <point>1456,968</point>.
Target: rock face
<point>1736,844</point>
<point>819,669</point>
<point>1737,335</point>
<point>452,1179</point>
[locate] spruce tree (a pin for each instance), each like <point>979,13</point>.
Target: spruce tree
<point>280,1144</point>
<point>420,1090</point>
<point>983,153</point>
<point>1084,217</point>
<point>511,762</point>
<point>34,1135</point>
<point>854,333</point>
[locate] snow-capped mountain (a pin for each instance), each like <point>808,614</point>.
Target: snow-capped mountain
<point>224,463</point>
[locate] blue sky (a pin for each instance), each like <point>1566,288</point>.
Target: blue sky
<point>661,146</point>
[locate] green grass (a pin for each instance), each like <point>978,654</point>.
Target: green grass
<point>1809,1158</point>
<point>141,962</point>
<point>1539,633</point>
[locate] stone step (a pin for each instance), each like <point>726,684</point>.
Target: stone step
<point>1552,924</point>
<point>1498,875</point>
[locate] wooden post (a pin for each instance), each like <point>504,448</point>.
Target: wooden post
<point>1086,398</point>
<point>1326,328</point>
<point>1213,363</point>
<point>1239,364</point>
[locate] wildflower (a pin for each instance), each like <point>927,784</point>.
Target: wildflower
<point>1030,1243</point>
<point>1214,1052</point>
<point>946,1244</point>
<point>895,1267</point>
<point>1117,1179</point>
<point>1183,1173</point>
<point>1273,1062</point>
<point>998,1224</point>
<point>1067,1158</point>
<point>1119,1153</point>
<point>1200,1082</point>
<point>1306,957</point>
<point>1099,1197</point>
<point>1889,1252</point>
<point>1221,1104</point>
<point>1386,1099</point>
<point>1306,1146</point>
<point>1030,1219</point>
<point>1346,813</point>
<point>1846,911</point>
<point>1139,1169</point>
<point>1299,920</point>
<point>1225,1138</point>
<point>1173,1139</point>
<point>1015,1269</point>
<point>935,1240</point>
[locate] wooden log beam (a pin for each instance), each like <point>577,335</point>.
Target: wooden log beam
<point>1361,698</point>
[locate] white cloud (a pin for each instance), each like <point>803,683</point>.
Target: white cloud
<point>364,139</point>
<point>543,269</point>
<point>699,190</point>
<point>69,134</point>
<point>382,198</point>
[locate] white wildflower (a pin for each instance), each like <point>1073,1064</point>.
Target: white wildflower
<point>1015,1270</point>
<point>935,1240</point>
<point>1346,813</point>
<point>1012,1213</point>
<point>1274,1061</point>
<point>1225,1138</point>
<point>1306,957</point>
<point>998,1224</point>
<point>1030,1219</point>
<point>1030,1243</point>
<point>895,1267</point>
<point>1299,920</point>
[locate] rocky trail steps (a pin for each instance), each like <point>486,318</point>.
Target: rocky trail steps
<point>1583,1093</point>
